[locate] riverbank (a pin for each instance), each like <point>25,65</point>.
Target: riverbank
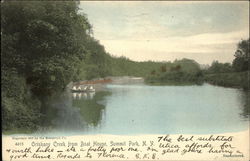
<point>233,80</point>
<point>230,79</point>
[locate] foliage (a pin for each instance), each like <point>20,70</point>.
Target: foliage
<point>122,66</point>
<point>234,79</point>
<point>46,40</point>
<point>19,108</point>
<point>96,63</point>
<point>218,67</point>
<point>235,75</point>
<point>180,71</point>
<point>242,57</point>
<point>43,43</point>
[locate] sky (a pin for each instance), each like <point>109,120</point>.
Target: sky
<point>167,30</point>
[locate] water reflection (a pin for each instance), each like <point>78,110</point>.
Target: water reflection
<point>134,109</point>
<point>246,105</point>
<point>72,112</point>
<point>60,116</point>
<point>90,105</point>
<point>83,95</point>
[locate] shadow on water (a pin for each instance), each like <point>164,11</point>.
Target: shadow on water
<point>78,113</point>
<point>246,105</point>
<point>59,115</point>
<point>69,112</point>
<point>91,106</point>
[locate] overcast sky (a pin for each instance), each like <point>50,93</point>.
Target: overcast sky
<point>169,30</point>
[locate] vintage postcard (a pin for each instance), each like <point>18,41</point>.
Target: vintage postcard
<point>125,80</point>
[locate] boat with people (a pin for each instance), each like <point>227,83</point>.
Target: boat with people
<point>91,89</point>
<point>84,89</point>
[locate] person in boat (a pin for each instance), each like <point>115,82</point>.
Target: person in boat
<point>85,88</point>
<point>79,88</point>
<point>91,89</point>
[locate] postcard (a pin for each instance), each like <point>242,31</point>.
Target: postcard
<point>125,80</point>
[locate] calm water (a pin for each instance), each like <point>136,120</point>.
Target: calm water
<point>144,109</point>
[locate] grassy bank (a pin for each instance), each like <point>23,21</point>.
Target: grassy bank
<point>235,79</point>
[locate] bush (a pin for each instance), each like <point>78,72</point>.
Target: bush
<point>237,79</point>
<point>20,109</point>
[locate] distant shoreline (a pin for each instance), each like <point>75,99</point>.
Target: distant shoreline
<point>111,79</point>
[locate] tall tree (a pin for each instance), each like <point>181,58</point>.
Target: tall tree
<point>44,41</point>
<point>242,59</point>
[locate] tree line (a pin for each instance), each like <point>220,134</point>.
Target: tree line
<point>235,74</point>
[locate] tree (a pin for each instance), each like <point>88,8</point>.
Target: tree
<point>241,61</point>
<point>44,41</point>
<point>163,68</point>
<point>218,67</point>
